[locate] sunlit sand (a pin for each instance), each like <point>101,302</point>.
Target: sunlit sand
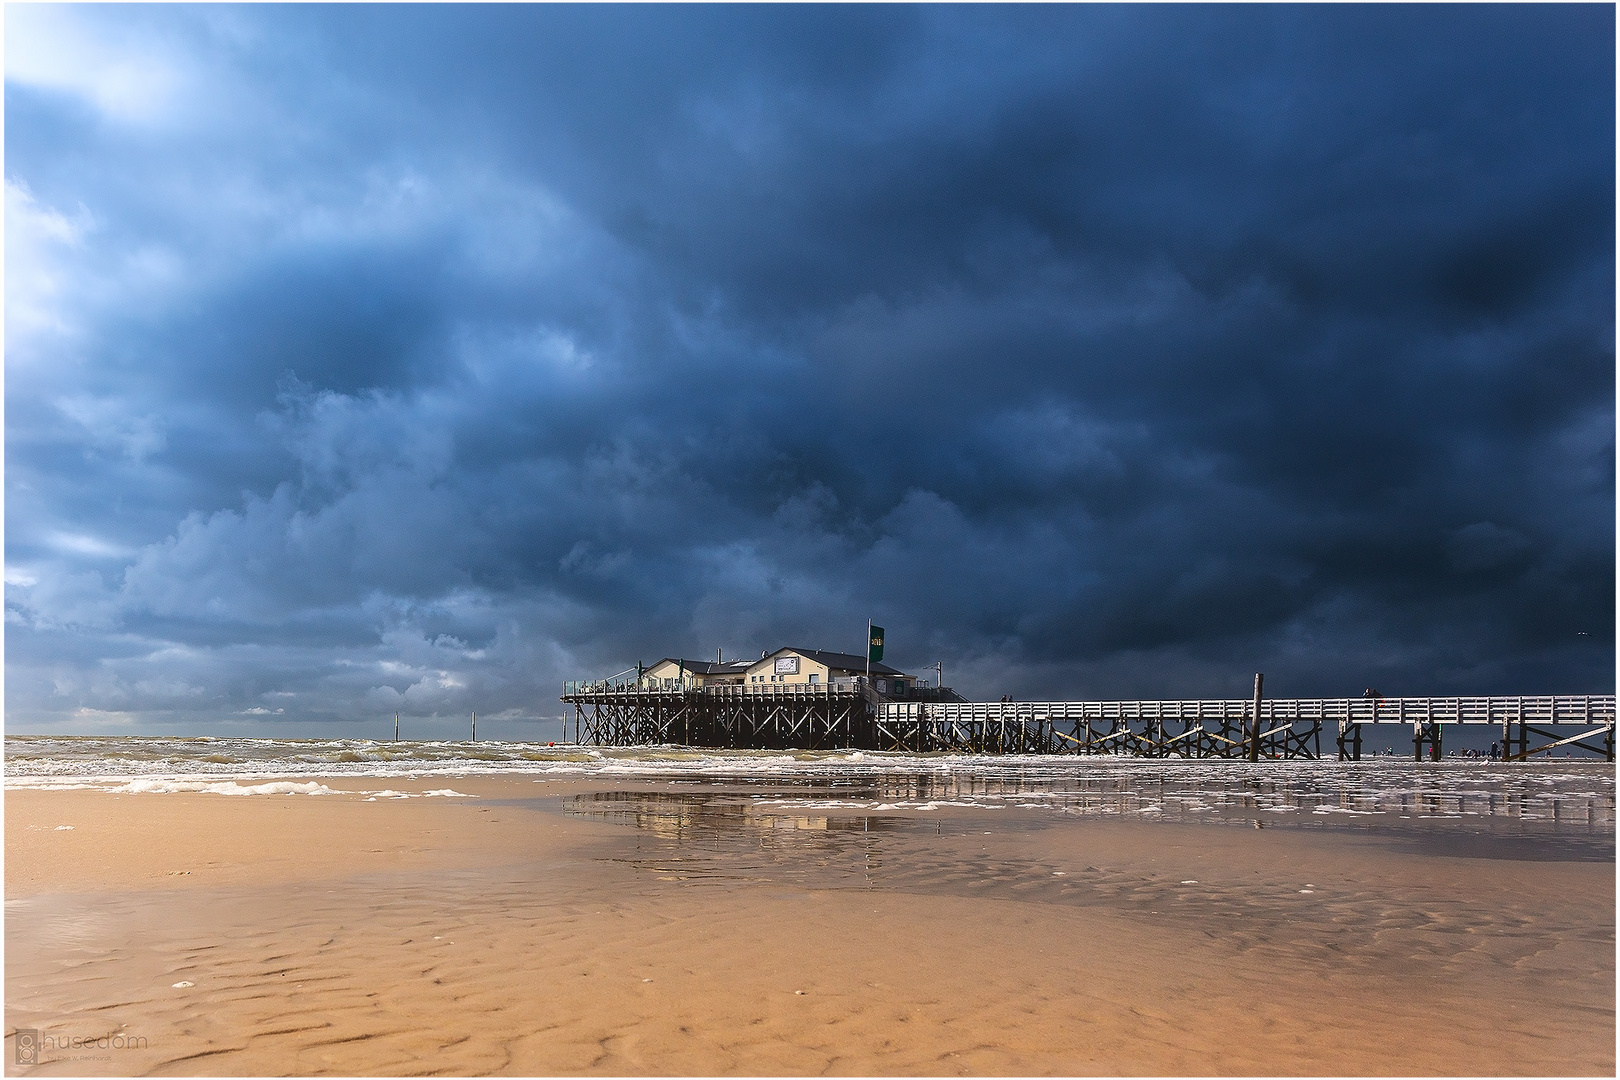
<point>639,926</point>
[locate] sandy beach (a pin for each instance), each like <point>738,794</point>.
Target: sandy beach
<point>618,927</point>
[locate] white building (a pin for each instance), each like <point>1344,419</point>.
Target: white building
<point>790,665</point>
<point>782,667</point>
<point>671,670</point>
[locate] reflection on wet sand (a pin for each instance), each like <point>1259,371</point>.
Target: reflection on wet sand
<point>1571,796</point>
<point>868,832</point>
<point>1565,801</point>
<point>758,926</point>
<point>676,814</point>
<point>723,835</point>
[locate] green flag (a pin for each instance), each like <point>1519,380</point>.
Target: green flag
<point>874,647</point>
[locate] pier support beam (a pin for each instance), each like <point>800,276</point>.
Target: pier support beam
<point>1424,732</point>
<point>1349,741</point>
<point>1578,741</point>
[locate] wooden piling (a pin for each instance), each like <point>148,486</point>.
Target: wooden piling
<point>1254,737</point>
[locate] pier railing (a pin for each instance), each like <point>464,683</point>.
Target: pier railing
<point>681,687</point>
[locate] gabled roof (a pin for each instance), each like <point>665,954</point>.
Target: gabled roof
<point>842,660</point>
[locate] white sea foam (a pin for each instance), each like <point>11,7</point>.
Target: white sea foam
<point>1551,792</point>
<point>226,787</point>
<point>173,785</point>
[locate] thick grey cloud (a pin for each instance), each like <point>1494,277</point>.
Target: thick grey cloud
<point>375,359</point>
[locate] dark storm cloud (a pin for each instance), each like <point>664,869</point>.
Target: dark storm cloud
<point>369,359</point>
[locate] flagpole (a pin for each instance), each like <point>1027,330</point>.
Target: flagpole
<point>868,652</point>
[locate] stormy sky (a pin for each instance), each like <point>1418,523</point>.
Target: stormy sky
<point>364,360</point>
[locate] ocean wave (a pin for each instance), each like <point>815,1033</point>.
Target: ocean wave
<point>169,786</point>
<point>227,787</point>
<point>1576,794</point>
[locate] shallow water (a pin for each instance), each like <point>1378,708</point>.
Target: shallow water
<point>849,789</point>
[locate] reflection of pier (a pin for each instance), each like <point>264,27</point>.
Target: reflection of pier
<point>832,801</point>
<point>854,716</point>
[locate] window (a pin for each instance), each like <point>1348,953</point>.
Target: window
<point>815,678</point>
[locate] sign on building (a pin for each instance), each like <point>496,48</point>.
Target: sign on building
<point>787,665</point>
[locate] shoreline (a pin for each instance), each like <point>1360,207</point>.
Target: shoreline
<point>776,940</point>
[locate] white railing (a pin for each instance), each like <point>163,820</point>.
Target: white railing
<point>1594,709</point>
<point>681,687</point>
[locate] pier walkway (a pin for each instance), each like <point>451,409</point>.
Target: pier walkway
<point>851,715</point>
<point>1221,728</point>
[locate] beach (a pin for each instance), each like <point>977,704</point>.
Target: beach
<point>517,924</point>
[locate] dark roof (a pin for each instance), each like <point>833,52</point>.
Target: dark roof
<point>843,660</point>
<point>709,667</point>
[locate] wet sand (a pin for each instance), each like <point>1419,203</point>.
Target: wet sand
<point>644,928</point>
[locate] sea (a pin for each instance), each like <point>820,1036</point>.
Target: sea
<point>1560,796</point>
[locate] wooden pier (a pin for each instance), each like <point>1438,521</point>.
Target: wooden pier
<point>851,715</point>
<point>1288,728</point>
<point>783,716</point>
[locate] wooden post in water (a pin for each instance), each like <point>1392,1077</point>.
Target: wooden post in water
<point>475,728</point>
<point>396,727</point>
<point>1254,737</point>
